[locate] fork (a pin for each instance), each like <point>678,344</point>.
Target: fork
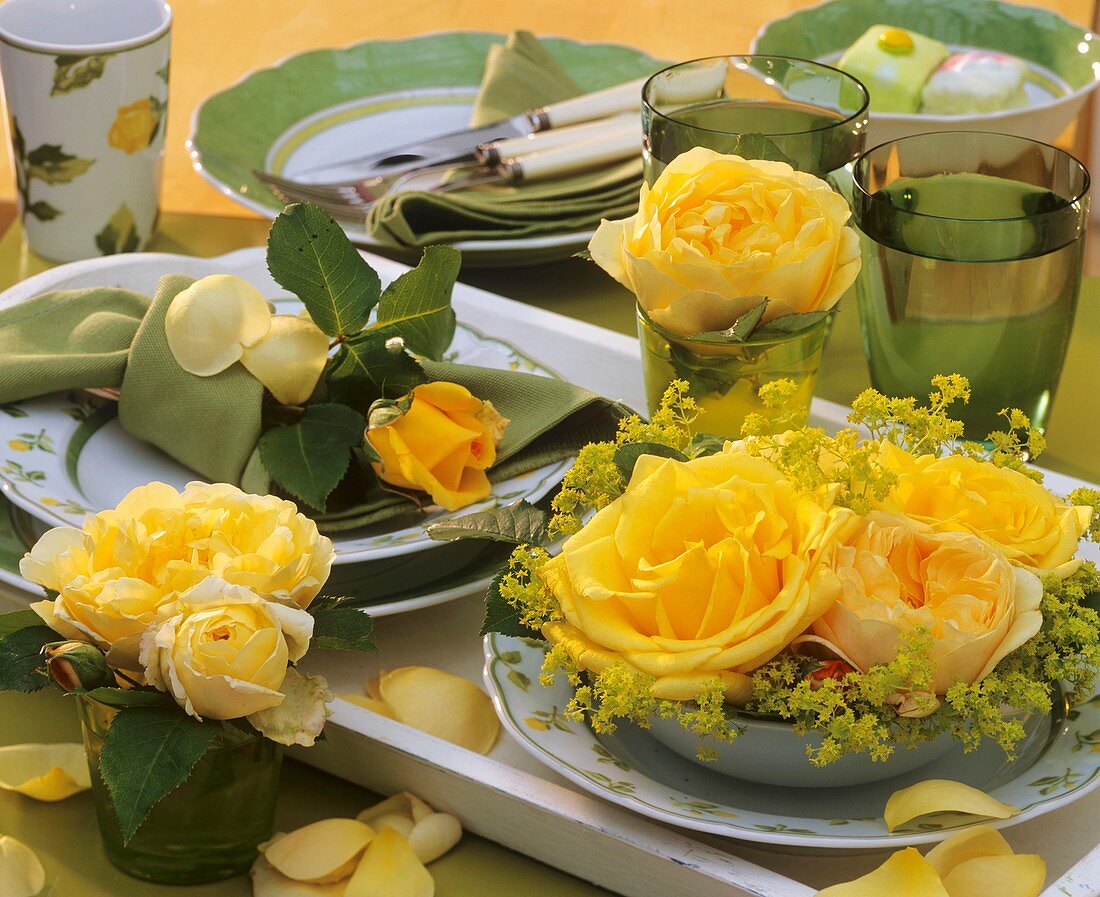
<point>536,157</point>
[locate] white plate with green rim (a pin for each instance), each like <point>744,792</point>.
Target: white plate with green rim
<point>328,105</point>
<point>1063,58</point>
<point>1059,764</point>
<point>62,458</point>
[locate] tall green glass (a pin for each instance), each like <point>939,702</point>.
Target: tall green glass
<point>810,115</point>
<point>207,829</point>
<point>972,251</point>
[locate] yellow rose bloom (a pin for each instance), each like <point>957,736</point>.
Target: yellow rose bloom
<point>1002,506</point>
<point>223,651</point>
<point>442,445</point>
<point>716,233</point>
<point>701,570</point>
<point>134,126</point>
<point>115,574</point>
<point>898,575</point>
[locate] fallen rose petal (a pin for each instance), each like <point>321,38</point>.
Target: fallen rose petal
<point>372,689</point>
<point>404,803</point>
<point>44,771</point>
<point>301,716</point>
<point>268,882</point>
<point>403,825</point>
<point>321,852</point>
<point>941,796</point>
<point>979,841</point>
<point>434,835</point>
<point>905,874</point>
<point>289,359</point>
<point>209,324</point>
<point>441,704</point>
<point>1019,875</point>
<point>21,872</point>
<point>371,704</point>
<point>389,868</point>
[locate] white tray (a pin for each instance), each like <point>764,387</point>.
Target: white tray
<point>509,797</point>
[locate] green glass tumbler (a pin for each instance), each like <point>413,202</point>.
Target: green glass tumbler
<point>809,115</point>
<point>206,830</point>
<point>972,246</point>
<point>725,378</point>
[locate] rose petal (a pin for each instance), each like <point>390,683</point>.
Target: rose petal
<point>979,841</point>
<point>21,872</point>
<point>441,704</point>
<point>404,803</point>
<point>47,772</point>
<point>403,825</point>
<point>268,882</point>
<point>905,874</point>
<point>434,835</point>
<point>1020,875</point>
<point>389,868</point>
<point>289,359</point>
<point>301,716</point>
<point>321,852</point>
<point>371,704</point>
<point>209,323</point>
<point>941,796</point>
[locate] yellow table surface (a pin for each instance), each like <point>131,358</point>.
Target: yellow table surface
<point>216,42</point>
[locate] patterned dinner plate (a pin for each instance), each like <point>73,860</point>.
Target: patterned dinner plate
<point>64,455</point>
<point>1058,763</point>
<point>328,105</point>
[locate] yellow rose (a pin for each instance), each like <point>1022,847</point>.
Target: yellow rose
<point>114,575</point>
<point>223,652</point>
<point>134,126</point>
<point>898,575</point>
<point>715,233</point>
<point>701,570</point>
<point>442,445</point>
<point>1013,512</point>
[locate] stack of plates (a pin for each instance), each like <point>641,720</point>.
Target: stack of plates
<point>64,456</point>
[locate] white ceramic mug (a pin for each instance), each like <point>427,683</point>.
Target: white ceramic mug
<point>86,84</point>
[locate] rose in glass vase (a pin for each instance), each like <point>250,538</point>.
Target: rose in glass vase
<point>177,620</point>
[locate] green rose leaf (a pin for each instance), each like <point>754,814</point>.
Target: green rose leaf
<point>626,456</point>
<point>308,254</point>
<point>308,459</point>
<point>147,753</point>
<point>51,165</point>
<point>742,328</point>
<point>703,444</point>
<point>759,146</point>
<point>500,616</point>
<point>340,627</point>
<point>369,365</point>
<point>22,666</point>
<point>119,234</point>
<point>518,523</point>
<point>73,72</point>
<point>16,620</point>
<point>417,306</point>
<point>43,211</point>
<point>794,323</point>
<point>122,698</point>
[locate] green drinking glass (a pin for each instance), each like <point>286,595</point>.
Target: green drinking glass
<point>206,830</point>
<point>809,115</point>
<point>972,251</point>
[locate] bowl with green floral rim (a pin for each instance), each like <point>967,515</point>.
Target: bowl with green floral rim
<point>1063,58</point>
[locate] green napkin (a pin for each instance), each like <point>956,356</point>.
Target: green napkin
<point>519,75</point>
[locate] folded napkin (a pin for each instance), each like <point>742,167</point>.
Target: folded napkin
<point>519,75</point>
<point>105,337</point>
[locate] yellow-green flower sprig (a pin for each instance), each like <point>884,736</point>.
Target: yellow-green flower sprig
<point>1088,498</point>
<point>522,588</point>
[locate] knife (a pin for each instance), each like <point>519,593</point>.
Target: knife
<point>461,146</point>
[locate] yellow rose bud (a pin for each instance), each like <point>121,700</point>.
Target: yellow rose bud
<point>223,652</point>
<point>1002,506</point>
<point>442,445</point>
<point>134,126</point>
<point>701,570</point>
<point>898,575</point>
<point>715,233</point>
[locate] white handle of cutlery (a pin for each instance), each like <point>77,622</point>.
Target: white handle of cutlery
<point>614,146</point>
<point>621,98</point>
<point>540,141</point>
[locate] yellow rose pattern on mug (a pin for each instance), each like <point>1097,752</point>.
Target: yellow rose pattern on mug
<point>136,125</point>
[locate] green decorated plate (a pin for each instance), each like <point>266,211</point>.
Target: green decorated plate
<point>327,105</point>
<point>1059,763</point>
<point>1064,57</point>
